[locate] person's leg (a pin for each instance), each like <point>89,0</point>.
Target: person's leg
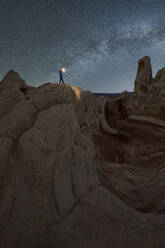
<point>62,80</point>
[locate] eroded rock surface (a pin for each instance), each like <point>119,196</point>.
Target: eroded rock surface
<point>79,171</point>
<point>149,92</point>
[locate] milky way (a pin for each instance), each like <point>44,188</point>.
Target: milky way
<point>99,42</point>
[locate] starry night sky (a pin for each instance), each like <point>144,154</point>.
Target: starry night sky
<point>99,42</point>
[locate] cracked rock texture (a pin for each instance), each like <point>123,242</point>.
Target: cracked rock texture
<point>80,171</point>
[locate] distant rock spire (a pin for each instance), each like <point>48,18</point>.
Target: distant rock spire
<point>144,76</point>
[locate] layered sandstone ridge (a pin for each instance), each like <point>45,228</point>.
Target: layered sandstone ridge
<point>79,171</point>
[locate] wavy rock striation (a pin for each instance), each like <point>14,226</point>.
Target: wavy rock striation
<point>80,171</point>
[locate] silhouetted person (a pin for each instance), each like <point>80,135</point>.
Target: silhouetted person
<point>61,77</point>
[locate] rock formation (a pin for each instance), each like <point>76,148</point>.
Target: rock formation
<point>80,171</point>
<point>149,92</point>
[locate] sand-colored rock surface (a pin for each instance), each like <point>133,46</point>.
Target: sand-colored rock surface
<point>80,171</point>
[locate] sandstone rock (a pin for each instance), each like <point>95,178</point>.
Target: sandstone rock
<point>79,171</point>
<point>12,80</point>
<point>149,93</point>
<point>143,77</point>
<point>9,98</point>
<point>50,160</point>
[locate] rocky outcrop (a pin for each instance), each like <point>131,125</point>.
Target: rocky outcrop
<point>143,77</point>
<point>149,93</point>
<point>46,160</point>
<point>80,171</point>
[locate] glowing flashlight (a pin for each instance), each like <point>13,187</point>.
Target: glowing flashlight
<point>63,70</point>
